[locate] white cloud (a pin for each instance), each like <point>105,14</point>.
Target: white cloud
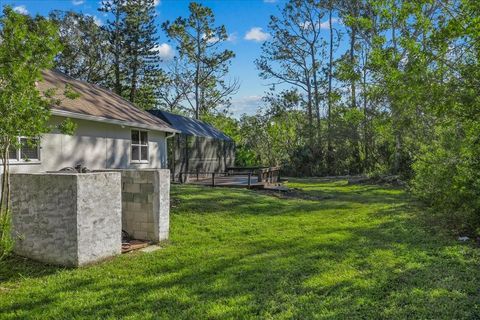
<point>232,37</point>
<point>165,51</point>
<point>326,24</point>
<point>269,1</point>
<point>246,104</point>
<point>210,39</point>
<point>323,25</point>
<point>307,25</point>
<point>21,9</point>
<point>78,2</point>
<point>156,3</point>
<point>256,34</point>
<point>96,20</point>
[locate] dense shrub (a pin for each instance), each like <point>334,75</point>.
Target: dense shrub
<point>447,173</point>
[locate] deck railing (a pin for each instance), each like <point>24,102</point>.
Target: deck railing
<point>183,176</point>
<point>264,174</point>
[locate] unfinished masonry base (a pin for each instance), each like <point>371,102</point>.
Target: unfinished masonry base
<point>67,218</point>
<point>146,203</point>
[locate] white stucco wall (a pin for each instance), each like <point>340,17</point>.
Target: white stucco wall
<point>97,145</point>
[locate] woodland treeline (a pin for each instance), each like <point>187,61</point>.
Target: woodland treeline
<point>357,86</point>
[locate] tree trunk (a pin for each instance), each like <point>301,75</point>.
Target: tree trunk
<point>329,92</point>
<point>310,112</point>
<point>7,173</point>
<point>197,74</point>
<point>117,54</point>
<point>355,137</point>
<point>395,112</point>
<point>366,134</point>
<point>5,184</point>
<point>316,98</point>
<point>398,155</point>
<point>133,82</point>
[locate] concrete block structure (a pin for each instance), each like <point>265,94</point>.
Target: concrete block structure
<point>68,219</point>
<point>146,203</point>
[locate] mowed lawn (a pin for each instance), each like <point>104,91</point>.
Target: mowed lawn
<point>335,251</point>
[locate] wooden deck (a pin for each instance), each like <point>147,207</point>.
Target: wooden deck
<point>235,177</point>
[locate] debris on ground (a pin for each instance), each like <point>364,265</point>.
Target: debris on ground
<point>392,180</point>
<point>174,202</point>
<point>129,244</point>
<point>134,245</point>
<point>295,193</point>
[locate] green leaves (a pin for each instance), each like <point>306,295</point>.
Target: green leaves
<point>85,52</point>
<point>67,126</point>
<point>28,46</point>
<point>70,93</point>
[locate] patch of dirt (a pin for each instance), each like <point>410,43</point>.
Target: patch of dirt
<point>389,180</point>
<point>295,193</point>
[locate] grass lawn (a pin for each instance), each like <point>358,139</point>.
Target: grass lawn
<point>336,251</point>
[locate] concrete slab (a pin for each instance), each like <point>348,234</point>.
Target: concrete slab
<point>151,248</point>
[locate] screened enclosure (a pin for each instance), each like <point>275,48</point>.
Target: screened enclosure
<point>199,148</point>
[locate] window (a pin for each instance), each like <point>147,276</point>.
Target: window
<point>139,146</point>
<point>29,150</point>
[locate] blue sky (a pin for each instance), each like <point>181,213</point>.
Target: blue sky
<point>246,22</point>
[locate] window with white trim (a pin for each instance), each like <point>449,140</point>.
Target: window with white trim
<point>139,149</point>
<point>29,150</point>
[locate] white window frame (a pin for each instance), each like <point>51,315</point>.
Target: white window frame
<point>19,159</point>
<point>139,145</point>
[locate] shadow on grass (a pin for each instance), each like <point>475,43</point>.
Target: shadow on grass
<point>338,195</point>
<point>372,260</point>
<point>15,268</point>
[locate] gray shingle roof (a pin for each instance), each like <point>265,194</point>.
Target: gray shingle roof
<point>189,126</point>
<point>97,102</point>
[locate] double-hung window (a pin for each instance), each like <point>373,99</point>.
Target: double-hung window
<point>28,150</point>
<point>139,150</point>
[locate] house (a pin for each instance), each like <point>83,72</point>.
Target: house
<point>199,147</point>
<point>111,133</point>
<point>72,218</point>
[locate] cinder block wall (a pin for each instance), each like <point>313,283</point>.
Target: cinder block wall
<point>146,203</point>
<point>67,218</point>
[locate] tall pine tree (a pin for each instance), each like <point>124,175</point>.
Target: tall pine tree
<point>204,64</point>
<point>133,39</point>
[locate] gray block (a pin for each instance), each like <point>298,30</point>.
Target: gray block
<point>146,203</point>
<point>67,218</point>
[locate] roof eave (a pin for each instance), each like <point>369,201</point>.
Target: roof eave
<point>80,116</point>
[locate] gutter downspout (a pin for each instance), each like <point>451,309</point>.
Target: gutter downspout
<point>167,136</point>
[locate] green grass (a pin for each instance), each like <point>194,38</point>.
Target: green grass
<point>334,252</point>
